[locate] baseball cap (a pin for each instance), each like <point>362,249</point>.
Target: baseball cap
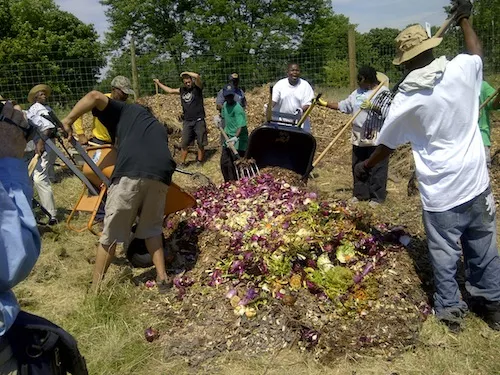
<point>122,83</point>
<point>233,76</point>
<point>228,90</point>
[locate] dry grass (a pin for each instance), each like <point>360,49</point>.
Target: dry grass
<point>110,326</point>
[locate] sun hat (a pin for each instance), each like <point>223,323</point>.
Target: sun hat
<point>35,90</point>
<point>122,83</point>
<point>411,42</point>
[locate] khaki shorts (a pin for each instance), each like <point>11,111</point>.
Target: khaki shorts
<point>129,199</point>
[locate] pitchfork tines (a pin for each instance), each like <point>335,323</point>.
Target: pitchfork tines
<point>246,168</point>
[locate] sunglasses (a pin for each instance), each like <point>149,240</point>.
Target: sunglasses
<point>29,130</point>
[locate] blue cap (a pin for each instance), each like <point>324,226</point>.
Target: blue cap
<point>228,90</point>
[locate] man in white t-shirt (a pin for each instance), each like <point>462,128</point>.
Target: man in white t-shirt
<point>293,95</point>
<point>436,111</point>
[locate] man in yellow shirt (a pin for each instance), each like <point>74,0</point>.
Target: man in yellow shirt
<point>120,90</point>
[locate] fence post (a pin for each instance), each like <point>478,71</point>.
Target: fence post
<point>351,41</point>
<point>135,79</point>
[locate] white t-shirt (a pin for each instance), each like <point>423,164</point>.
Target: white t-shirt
<point>35,112</point>
<point>289,98</point>
<point>441,125</point>
<point>351,105</point>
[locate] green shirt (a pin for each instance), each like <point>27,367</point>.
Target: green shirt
<point>235,118</point>
<point>484,115</point>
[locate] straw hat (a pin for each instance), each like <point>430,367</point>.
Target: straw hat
<point>411,42</point>
<point>36,89</point>
<point>381,77</point>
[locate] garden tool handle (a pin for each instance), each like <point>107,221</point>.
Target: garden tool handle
<point>308,110</point>
<point>156,87</point>
<point>489,99</point>
<point>322,155</point>
<point>229,144</point>
<point>445,26</point>
<point>32,164</point>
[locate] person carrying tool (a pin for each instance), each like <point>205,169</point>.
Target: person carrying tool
<point>363,141</point>
<point>41,176</point>
<point>194,126</point>
<point>235,126</point>
<point>436,109</point>
<point>120,90</point>
<point>292,95</point>
<point>239,94</point>
<point>139,182</point>
<point>484,117</point>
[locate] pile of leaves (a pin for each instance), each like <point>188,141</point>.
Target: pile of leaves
<point>288,269</point>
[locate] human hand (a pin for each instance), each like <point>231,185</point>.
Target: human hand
<point>366,104</point>
<point>322,102</point>
<point>67,128</point>
<point>156,81</point>
<point>40,147</point>
<point>232,140</point>
<point>82,139</point>
<point>461,9</point>
<point>361,171</point>
<point>12,139</point>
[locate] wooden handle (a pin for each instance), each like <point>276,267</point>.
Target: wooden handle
<point>444,27</point>
<point>489,99</point>
<point>32,164</point>
<point>229,144</point>
<point>322,155</point>
<point>308,110</point>
<point>156,86</point>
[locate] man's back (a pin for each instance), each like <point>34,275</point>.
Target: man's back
<point>142,142</point>
<point>440,122</point>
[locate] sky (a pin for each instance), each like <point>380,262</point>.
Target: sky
<point>367,14</point>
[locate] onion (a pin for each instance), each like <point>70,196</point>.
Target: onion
<point>151,334</point>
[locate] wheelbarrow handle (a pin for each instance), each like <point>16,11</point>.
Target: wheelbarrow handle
<point>269,112</point>
<point>308,110</point>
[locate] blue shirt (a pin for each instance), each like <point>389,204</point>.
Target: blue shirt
<point>19,236</point>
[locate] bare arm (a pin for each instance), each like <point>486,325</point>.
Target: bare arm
<point>197,79</point>
<point>472,43</point>
<point>93,99</point>
<point>167,89</point>
<point>380,153</point>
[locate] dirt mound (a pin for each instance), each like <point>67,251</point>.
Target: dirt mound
<point>266,265</point>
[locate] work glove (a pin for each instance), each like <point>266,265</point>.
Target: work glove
<point>461,9</point>
<point>232,140</point>
<point>366,105</point>
<point>361,171</point>
<point>322,102</point>
<point>264,109</point>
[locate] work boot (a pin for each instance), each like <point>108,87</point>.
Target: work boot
<point>453,320</point>
<point>164,285</point>
<point>492,314</point>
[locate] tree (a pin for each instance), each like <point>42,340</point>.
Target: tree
<point>36,36</point>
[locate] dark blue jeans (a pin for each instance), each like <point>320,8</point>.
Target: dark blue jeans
<point>469,228</point>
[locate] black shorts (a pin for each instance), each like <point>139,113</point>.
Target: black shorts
<point>192,130</point>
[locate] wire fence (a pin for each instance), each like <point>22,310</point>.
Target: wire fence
<point>71,79</point>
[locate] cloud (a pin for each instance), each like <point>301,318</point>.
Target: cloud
<point>88,11</point>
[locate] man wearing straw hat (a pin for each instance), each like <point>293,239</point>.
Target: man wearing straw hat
<point>436,111</point>
<point>45,166</point>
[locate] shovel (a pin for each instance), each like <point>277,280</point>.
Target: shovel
<point>244,167</point>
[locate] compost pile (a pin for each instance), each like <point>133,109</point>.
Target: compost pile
<point>271,266</point>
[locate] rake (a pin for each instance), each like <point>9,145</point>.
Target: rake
<point>244,167</point>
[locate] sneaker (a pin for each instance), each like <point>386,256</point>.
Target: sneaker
<point>164,285</point>
<point>53,221</point>
<point>373,204</point>
<point>492,315</point>
<point>353,200</point>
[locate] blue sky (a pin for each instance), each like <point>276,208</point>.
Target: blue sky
<point>367,14</point>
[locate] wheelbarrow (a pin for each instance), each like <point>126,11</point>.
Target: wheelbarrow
<point>281,141</point>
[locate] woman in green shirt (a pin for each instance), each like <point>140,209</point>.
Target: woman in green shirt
<point>235,126</point>
<point>484,117</point>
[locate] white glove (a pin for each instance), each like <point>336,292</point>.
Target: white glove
<point>264,109</point>
<point>232,140</point>
<point>218,121</point>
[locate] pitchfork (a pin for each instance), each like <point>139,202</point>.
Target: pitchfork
<point>244,167</point>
